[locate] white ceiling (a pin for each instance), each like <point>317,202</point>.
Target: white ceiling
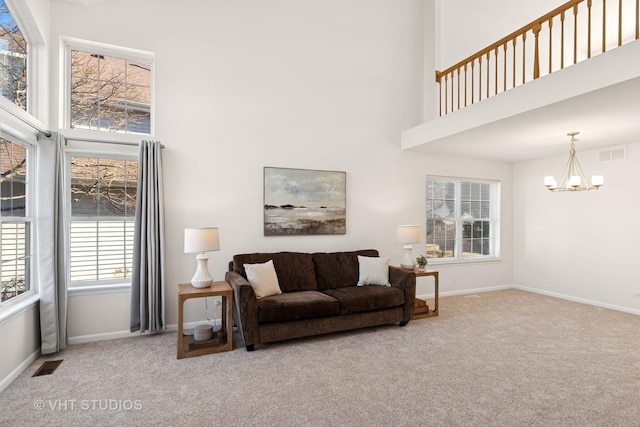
<point>600,98</point>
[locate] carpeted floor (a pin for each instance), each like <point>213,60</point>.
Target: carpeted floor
<point>505,358</point>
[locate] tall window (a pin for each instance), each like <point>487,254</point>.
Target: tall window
<point>13,59</point>
<point>15,222</point>
<point>109,93</point>
<point>102,198</point>
<point>462,218</point>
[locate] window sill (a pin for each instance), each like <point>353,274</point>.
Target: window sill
<point>12,308</point>
<point>100,289</point>
<point>462,262</point>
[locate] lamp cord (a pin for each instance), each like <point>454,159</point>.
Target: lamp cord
<point>206,309</point>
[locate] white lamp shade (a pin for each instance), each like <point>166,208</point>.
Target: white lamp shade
<point>597,180</point>
<point>203,239</point>
<point>408,234</point>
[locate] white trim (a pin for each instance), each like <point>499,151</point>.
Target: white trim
<point>81,339</point>
<point>6,381</point>
<point>75,152</point>
<point>23,16</point>
<point>18,122</point>
<point>579,300</point>
<point>17,305</point>
<point>99,289</point>
<point>442,262</point>
<point>467,291</point>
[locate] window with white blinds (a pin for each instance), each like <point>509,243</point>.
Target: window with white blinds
<point>463,219</point>
<point>15,222</point>
<point>102,205</point>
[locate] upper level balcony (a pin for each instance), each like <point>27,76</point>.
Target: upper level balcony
<point>576,68</point>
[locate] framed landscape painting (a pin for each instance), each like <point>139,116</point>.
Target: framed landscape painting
<point>304,202</point>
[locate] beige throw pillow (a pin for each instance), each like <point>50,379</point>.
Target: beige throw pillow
<point>263,279</point>
<point>373,271</point>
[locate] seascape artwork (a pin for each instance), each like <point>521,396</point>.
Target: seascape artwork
<point>304,202</point>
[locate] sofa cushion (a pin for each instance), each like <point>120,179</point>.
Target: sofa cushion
<point>263,279</point>
<point>296,306</point>
<point>358,299</point>
<point>295,270</point>
<point>338,269</point>
<point>373,271</point>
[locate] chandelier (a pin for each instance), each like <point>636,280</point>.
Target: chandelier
<point>573,178</point>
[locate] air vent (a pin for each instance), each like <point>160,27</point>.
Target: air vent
<point>47,368</point>
<point>613,153</point>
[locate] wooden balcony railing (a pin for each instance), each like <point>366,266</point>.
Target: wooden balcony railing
<point>577,30</point>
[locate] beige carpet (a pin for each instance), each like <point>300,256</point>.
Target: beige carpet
<point>506,358</point>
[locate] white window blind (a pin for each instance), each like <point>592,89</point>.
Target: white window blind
<point>102,197</point>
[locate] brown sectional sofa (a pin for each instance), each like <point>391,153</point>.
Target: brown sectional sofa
<point>319,295</point>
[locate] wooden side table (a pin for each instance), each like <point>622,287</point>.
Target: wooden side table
<point>421,309</point>
<point>222,340</point>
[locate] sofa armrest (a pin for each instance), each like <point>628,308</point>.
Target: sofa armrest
<point>405,280</point>
<point>245,308</point>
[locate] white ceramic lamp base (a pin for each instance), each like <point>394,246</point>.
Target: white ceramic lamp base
<point>407,262</point>
<point>202,278</point>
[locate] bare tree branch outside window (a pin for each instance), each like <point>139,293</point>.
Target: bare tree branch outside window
<point>109,93</point>
<point>13,59</point>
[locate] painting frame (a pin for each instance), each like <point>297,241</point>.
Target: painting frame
<point>304,202</point>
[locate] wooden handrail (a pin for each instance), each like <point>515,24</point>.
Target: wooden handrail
<point>557,11</point>
<point>453,93</point>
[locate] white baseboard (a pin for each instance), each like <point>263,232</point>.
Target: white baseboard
<point>173,327</point>
<point>580,300</point>
<point>126,334</point>
<point>467,291</point>
<point>4,383</point>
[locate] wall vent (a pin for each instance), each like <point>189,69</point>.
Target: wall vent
<point>613,153</point>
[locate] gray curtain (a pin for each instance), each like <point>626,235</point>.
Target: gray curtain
<point>147,285</point>
<point>49,254</point>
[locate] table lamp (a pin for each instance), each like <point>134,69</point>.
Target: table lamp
<point>408,234</point>
<point>201,240</point>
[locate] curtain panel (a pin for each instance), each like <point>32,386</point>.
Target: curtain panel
<point>51,272</point>
<point>147,285</point>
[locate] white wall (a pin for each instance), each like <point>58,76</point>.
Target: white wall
<point>20,338</point>
<point>581,246</point>
<point>304,84</point>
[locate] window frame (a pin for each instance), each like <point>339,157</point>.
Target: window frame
<point>35,52</point>
<point>93,286</point>
<point>31,176</point>
<point>67,45</point>
<point>459,219</point>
